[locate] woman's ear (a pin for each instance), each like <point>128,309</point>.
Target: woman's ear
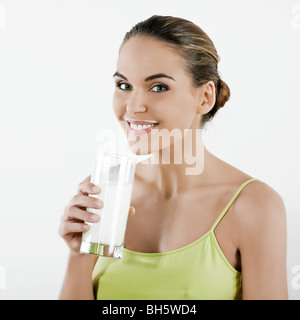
<point>206,96</point>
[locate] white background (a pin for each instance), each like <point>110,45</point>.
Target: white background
<point>56,64</point>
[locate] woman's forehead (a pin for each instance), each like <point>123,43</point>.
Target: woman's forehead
<point>147,56</point>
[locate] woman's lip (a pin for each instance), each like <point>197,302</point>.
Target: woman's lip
<point>139,132</point>
<point>137,122</point>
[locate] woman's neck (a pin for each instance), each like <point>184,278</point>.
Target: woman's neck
<point>176,169</point>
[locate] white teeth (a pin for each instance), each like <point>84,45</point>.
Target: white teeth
<point>141,127</point>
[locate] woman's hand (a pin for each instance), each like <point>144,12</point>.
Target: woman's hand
<point>75,214</point>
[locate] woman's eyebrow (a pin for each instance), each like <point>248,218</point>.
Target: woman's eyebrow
<point>158,75</point>
<point>118,74</point>
<point>154,76</point>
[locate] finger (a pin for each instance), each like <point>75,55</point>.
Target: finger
<point>87,187</point>
<point>86,180</point>
<point>82,215</point>
<point>85,201</point>
<point>131,211</point>
<point>69,227</point>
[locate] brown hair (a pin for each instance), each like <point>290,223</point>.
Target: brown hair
<point>194,46</point>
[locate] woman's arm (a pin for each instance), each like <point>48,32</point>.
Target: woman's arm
<point>262,244</point>
<point>78,278</point>
<point>77,284</point>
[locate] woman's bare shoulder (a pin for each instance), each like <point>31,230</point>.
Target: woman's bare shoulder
<point>256,195</point>
<point>260,235</point>
<point>259,207</point>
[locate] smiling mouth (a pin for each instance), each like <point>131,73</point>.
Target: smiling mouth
<point>139,127</point>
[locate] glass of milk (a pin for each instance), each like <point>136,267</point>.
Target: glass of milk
<point>114,175</point>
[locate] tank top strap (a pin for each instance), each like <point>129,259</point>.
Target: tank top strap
<point>231,201</point>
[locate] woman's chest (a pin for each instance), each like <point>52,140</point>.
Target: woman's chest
<point>163,225</point>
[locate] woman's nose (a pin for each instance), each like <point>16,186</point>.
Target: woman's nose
<point>136,103</point>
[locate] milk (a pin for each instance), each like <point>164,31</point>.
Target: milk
<point>110,229</point>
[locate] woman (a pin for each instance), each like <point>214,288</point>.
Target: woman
<point>214,234</point>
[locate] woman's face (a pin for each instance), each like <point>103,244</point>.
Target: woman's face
<point>154,95</point>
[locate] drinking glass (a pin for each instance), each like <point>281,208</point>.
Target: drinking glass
<point>114,175</point>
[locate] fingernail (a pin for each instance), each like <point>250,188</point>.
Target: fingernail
<point>86,227</point>
<point>95,189</point>
<point>98,203</point>
<point>94,217</point>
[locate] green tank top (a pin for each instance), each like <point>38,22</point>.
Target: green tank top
<point>196,271</point>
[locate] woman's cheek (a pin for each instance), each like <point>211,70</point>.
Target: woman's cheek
<point>118,106</point>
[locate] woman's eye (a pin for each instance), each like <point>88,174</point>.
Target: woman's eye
<point>124,86</point>
<point>159,88</point>
<point>127,87</point>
